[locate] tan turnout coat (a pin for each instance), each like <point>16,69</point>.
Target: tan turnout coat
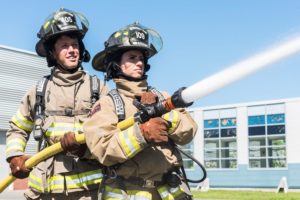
<point>62,173</point>
<point>128,148</point>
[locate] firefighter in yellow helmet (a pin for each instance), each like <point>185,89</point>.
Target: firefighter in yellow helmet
<point>141,161</point>
<point>54,111</point>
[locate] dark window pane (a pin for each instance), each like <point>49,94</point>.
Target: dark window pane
<point>256,120</point>
<point>211,123</point>
<point>258,130</point>
<point>213,133</point>
<point>276,119</point>
<point>229,132</point>
<point>228,122</point>
<point>279,129</point>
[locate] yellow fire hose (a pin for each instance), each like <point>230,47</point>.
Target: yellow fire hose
<point>53,150</point>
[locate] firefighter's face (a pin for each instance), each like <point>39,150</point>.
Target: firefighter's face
<point>66,52</point>
<point>132,63</point>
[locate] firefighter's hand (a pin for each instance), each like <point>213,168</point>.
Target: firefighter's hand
<point>155,130</point>
<point>69,144</point>
<point>17,166</point>
<point>148,98</point>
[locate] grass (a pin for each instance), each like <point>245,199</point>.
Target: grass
<point>245,195</point>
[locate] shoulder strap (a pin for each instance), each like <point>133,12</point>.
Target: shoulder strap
<point>119,104</point>
<point>158,93</point>
<point>39,108</point>
<point>40,94</point>
<point>95,87</point>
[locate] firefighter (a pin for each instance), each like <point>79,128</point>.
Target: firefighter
<point>54,111</point>
<point>141,161</point>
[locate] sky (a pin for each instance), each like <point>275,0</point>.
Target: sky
<point>201,38</point>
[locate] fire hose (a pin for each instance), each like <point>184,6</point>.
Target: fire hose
<point>184,96</point>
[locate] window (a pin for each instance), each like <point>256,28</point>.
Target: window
<point>220,148</point>
<point>187,162</point>
<point>266,130</point>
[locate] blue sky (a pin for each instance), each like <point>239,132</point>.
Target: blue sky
<point>200,38</point>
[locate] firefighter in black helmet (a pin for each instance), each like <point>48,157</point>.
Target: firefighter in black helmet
<point>54,111</point>
<point>141,160</point>
<point>62,22</point>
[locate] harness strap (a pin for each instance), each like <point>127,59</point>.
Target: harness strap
<point>67,112</point>
<point>119,104</point>
<point>95,87</point>
<point>146,183</point>
<point>39,108</point>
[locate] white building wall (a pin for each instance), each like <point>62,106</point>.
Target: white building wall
<point>198,141</point>
<point>293,131</point>
<point>242,135</point>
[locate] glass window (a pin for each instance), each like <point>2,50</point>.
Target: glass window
<point>211,123</point>
<point>187,162</point>
<point>267,144</point>
<point>277,163</point>
<point>211,153</point>
<point>276,141</point>
<point>228,122</point>
<point>257,152</point>
<point>228,164</point>
<point>257,130</point>
<point>277,151</point>
<point>276,119</point>
<point>257,163</point>
<point>256,120</point>
<point>212,163</point>
<point>211,133</point>
<point>228,132</point>
<point>277,129</point>
<point>220,149</point>
<point>256,142</point>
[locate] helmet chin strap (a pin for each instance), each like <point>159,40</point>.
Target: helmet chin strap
<point>71,71</point>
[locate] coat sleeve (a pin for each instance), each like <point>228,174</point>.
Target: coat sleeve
<point>106,141</point>
<point>182,126</point>
<point>20,126</point>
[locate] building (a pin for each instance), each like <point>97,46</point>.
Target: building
<point>248,145</point>
<point>19,71</point>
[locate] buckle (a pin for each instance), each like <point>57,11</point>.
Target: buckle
<point>69,112</point>
<point>149,184</point>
